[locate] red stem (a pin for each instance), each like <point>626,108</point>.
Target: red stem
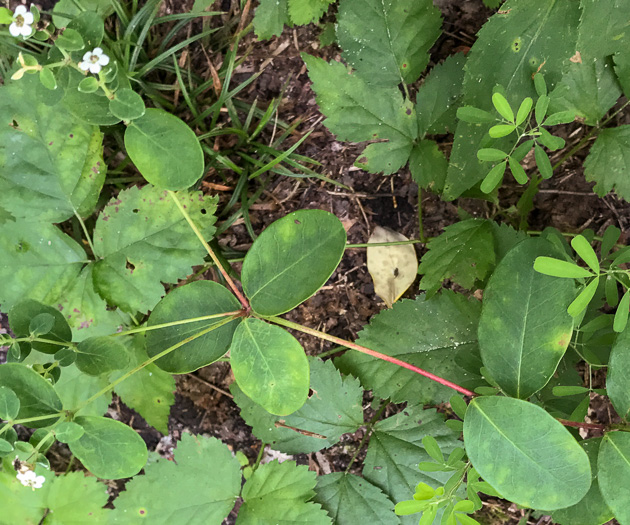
<point>576,424</point>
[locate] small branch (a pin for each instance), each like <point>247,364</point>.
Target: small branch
<point>227,278</point>
<point>577,424</point>
<point>177,323</point>
<point>85,232</point>
<point>373,353</point>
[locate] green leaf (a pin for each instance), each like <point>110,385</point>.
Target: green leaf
<point>51,164</point>
<point>464,253</point>
<point>621,315</point>
<point>90,108</point>
<point>474,115</point>
<point>501,104</point>
<point>357,111</point>
<point>584,249</point>
<point>280,493</point>
<point>100,355</point>
<point>20,319</point>
<point>602,30</point>
<point>41,324</point>
<point>561,391</point>
<point>291,260</point>
<point>524,110</point>
<point>493,178</point>
<point>588,89</point>
<point>170,492</point>
<point>351,500</point>
<point>548,477</point>
<point>127,105</point>
<point>491,154</point>
<point>385,157</point>
<point>524,328</point>
<point>618,377</point>
<point>109,449</point>
<point>165,150</point>
<point>270,366</point>
<point>74,387</point>
<point>439,95</point>
<point>558,268</point>
<point>90,26</point>
<point>270,18</point>
<point>304,12</point>
<point>47,78</point>
<point>522,36</point>
<point>562,117</point>
<point>6,16</point>
<point>387,57</point>
<point>75,498</point>
<point>143,240</point>
<point>396,447</point>
<point>542,162</point>
<point>5,447</point>
<point>103,8</point>
<point>70,40</point>
<point>608,162</point>
<point>333,409</point>
<point>149,391</point>
<point>37,396</point>
<point>9,403</point>
<point>622,69</point>
<point>613,473</point>
<point>436,334</point>
<point>501,130</point>
<point>551,142</point>
<point>68,432</point>
<point>542,104</point>
<point>591,509</point>
<point>517,171</point>
<point>581,301</point>
<point>88,85</point>
<point>609,240</point>
<point>196,299</point>
<point>428,165</point>
<point>540,85</point>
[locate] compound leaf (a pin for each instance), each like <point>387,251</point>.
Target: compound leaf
<point>333,409</point>
<point>547,469</point>
<point>436,334</point>
<point>608,162</point>
<point>613,473</point>
<point>143,240</point>
<point>170,491</point>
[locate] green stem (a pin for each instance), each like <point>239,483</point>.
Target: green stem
<point>368,432</point>
<point>85,231</point>
<point>27,420</point>
<point>420,222</point>
<point>259,457</point>
<point>40,340</point>
<point>177,323</point>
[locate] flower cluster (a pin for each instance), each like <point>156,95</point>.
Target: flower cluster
<point>93,61</point>
<point>28,478</point>
<point>22,20</point>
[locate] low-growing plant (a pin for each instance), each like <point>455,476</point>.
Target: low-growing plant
<point>83,276</point>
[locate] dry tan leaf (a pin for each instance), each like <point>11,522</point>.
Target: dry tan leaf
<point>393,268</point>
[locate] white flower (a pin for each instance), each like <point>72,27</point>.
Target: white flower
<point>22,20</point>
<point>94,60</point>
<point>28,478</point>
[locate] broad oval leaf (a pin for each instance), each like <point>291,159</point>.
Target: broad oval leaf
<point>524,328</point>
<point>525,454</point>
<point>165,150</point>
<point>197,299</point>
<point>127,105</point>
<point>618,377</point>
<point>21,315</point>
<point>100,355</point>
<point>613,472</point>
<point>270,366</point>
<point>291,260</point>
<point>36,395</point>
<point>68,431</point>
<point>9,403</point>
<point>109,449</point>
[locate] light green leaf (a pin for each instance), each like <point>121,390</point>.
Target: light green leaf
<point>428,166</point>
<point>67,7</point>
<point>196,299</point>
<point>101,355</point>
<point>547,477</point>
<point>165,150</point>
<point>436,334</point>
<point>608,162</point>
<point>621,315</point>
<point>464,253</point>
<point>51,164</point>
<point>558,268</point>
<point>580,303</point>
<point>501,104</point>
<point>270,18</point>
<point>88,85</point>
<point>37,397</point>
<point>270,366</point>
<point>585,251</point>
<point>171,492</point>
<point>109,449</point>
<point>9,403</point>
<point>522,36</point>
<point>493,178</point>
<point>517,171</point>
<point>351,500</point>
<point>388,57</point>
<point>291,260</point>
<point>70,40</point>
<point>280,493</point>
<point>590,510</point>
<point>127,105</point>
<point>542,162</point>
<point>613,473</point>
<point>150,391</point>
<point>524,328</point>
<point>501,130</point>
<point>491,154</point>
<point>384,157</point>
<point>333,409</point>
<point>524,110</point>
<point>474,115</point>
<point>562,117</point>
<point>618,377</point>
<point>143,240</point>
<point>439,95</point>
<point>356,111</point>
<point>21,315</point>
<point>68,431</point>
<point>304,12</point>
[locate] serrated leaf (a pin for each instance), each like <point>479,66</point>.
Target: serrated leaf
<point>435,334</point>
<point>350,500</point>
<point>505,238</point>
<point>150,391</point>
<point>280,492</point>
<point>196,299</point>
<point>613,473</point>
<point>524,328</point>
<point>439,95</point>
<point>291,260</point>
<point>109,449</point>
<point>603,31</point>
<point>333,409</point>
<point>304,12</point>
<point>270,18</point>
<point>608,162</point>
<point>463,253</point>
<point>51,164</point>
<point>171,492</point>
<point>617,379</point>
<point>356,111</point>
<point>523,36</point>
<point>392,268</point>
<point>270,366</point>
<point>143,240</point>
<point>428,166</point>
<point>387,57</point>
<point>551,477</point>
